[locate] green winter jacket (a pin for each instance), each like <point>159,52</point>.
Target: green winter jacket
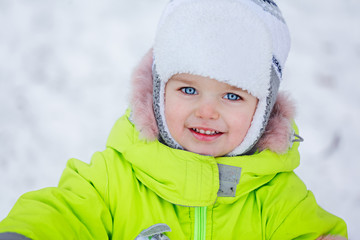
<point>137,189</point>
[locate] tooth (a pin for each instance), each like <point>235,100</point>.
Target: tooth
<point>202,131</point>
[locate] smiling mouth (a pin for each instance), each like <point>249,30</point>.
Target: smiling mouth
<point>205,132</point>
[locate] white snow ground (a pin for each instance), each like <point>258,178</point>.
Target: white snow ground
<point>64,71</point>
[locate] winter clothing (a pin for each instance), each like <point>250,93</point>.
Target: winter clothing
<point>138,188</point>
<point>134,184</point>
<point>244,43</point>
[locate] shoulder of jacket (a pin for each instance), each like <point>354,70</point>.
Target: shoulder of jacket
<point>283,193</point>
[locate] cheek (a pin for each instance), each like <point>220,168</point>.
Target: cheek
<point>174,118</point>
<point>240,124</point>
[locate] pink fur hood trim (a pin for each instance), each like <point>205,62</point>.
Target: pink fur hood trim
<point>329,237</point>
<point>277,136</point>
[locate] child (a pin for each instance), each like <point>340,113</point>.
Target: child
<point>207,149</point>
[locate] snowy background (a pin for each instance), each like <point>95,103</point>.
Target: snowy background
<point>64,80</point>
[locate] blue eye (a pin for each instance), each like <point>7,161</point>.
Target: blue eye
<point>189,90</point>
<point>232,96</point>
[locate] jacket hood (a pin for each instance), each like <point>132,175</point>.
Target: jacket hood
<point>189,179</point>
<point>278,134</point>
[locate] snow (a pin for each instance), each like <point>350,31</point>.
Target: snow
<point>64,80</point>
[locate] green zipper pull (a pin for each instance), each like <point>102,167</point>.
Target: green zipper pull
<point>200,223</point>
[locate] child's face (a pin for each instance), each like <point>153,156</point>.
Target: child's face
<point>206,116</point>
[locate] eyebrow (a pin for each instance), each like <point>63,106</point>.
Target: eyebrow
<point>179,79</point>
<point>191,82</point>
<point>233,88</point>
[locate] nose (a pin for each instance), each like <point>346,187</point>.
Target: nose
<point>207,110</point>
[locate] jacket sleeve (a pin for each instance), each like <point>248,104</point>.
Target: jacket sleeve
<point>300,217</point>
<point>76,209</point>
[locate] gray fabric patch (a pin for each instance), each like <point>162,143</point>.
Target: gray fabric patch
<point>160,237</point>
<point>12,236</point>
<point>155,231</point>
<point>229,177</point>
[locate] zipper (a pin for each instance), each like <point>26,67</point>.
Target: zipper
<point>200,223</point>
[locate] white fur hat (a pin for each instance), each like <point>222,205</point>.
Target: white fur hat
<point>244,43</point>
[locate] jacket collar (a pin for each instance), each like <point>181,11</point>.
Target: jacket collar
<point>190,179</point>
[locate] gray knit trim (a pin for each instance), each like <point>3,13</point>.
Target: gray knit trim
<point>270,99</point>
<point>12,236</point>
<point>164,135</point>
<point>277,66</point>
<point>270,102</point>
<point>270,7</point>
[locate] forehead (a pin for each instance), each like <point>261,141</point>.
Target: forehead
<point>201,81</point>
